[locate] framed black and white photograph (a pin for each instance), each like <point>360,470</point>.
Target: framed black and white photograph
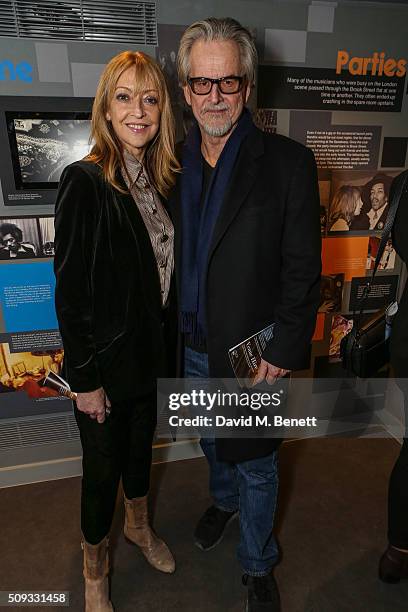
<point>47,235</point>
<point>359,201</point>
<point>40,136</point>
<point>19,239</point>
<point>42,144</point>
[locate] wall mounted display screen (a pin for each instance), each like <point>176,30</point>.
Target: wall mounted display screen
<point>39,136</point>
<point>42,144</point>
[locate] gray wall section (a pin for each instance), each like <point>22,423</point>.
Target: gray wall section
<point>360,30</point>
<point>254,13</point>
<point>98,53</point>
<point>19,50</point>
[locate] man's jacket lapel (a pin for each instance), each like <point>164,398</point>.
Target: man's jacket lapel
<point>242,181</point>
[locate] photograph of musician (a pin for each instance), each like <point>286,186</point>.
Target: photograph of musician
<point>12,245</point>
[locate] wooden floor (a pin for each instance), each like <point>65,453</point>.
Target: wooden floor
<point>331,526</point>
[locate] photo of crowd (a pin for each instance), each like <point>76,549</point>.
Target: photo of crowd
<point>42,147</point>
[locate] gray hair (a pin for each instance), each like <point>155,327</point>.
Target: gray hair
<point>218,29</point>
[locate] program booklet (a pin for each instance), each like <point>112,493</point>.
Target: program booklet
<point>246,356</point>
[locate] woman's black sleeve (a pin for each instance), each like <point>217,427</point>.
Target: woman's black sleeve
<point>75,222</point>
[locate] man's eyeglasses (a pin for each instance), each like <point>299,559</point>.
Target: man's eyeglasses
<point>202,86</point>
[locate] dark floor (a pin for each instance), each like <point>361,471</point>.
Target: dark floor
<point>331,526</point>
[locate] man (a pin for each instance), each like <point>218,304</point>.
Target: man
<point>246,213</point>
<point>12,245</point>
<point>376,191</point>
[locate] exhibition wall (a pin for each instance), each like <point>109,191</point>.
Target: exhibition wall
<point>332,75</point>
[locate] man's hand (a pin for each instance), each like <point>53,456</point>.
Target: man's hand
<point>269,372</point>
<point>327,306</point>
<point>95,403</point>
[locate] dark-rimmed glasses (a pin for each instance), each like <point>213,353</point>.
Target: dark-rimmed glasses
<point>202,86</point>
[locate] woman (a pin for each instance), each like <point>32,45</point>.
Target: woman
<point>346,205</point>
<point>394,562</point>
<point>113,265</point>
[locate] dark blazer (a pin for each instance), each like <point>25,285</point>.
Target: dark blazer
<point>107,288</point>
<point>362,221</point>
<point>399,336</point>
<point>264,263</point>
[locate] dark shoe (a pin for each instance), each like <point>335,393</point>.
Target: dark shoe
<point>393,566</point>
<point>210,527</point>
<point>263,593</point>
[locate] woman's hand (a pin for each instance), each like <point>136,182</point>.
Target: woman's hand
<point>95,403</point>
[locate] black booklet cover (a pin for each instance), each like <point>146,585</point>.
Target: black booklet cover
<point>246,356</point>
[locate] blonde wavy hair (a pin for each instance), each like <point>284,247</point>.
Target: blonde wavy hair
<point>344,204</point>
<point>160,160</point>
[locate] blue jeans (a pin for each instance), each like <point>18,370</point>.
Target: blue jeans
<point>250,487</point>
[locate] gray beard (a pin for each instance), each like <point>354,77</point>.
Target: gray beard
<point>217,130</point>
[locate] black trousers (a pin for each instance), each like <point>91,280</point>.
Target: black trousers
<point>121,447</point>
<point>398,501</point>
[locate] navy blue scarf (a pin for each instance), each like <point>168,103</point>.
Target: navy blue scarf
<point>198,222</point>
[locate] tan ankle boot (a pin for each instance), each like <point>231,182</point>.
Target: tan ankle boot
<point>96,570</point>
<point>138,531</point>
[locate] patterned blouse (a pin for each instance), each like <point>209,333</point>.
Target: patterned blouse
<point>155,218</point>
